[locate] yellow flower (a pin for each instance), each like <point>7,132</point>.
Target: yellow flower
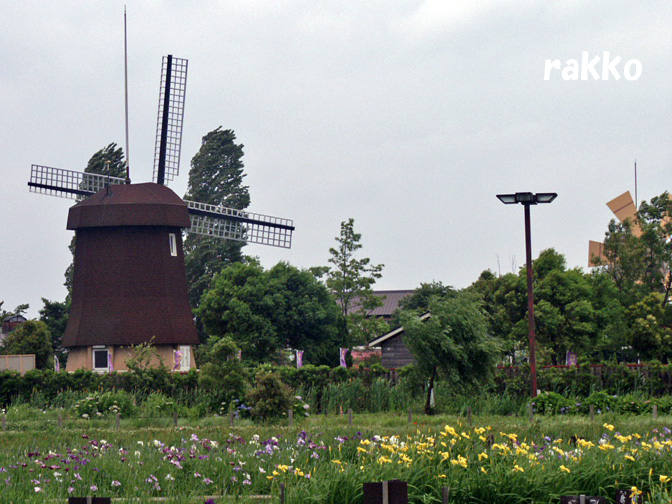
<point>565,469</point>
<point>634,492</point>
<point>663,478</point>
<point>483,470</point>
<point>630,458</point>
<point>461,461</point>
<point>361,450</point>
<point>336,461</point>
<point>584,444</point>
<point>517,468</point>
<point>442,476</point>
<point>607,426</point>
<point>482,456</point>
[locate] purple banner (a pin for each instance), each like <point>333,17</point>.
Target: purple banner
<point>342,352</point>
<point>571,359</point>
<point>299,359</point>
<point>110,366</point>
<point>177,357</point>
<point>57,364</point>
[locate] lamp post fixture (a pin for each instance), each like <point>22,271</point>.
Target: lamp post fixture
<point>526,199</point>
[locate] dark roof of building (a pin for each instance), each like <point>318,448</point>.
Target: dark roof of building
<point>393,332</point>
<point>390,298</point>
<point>145,204</point>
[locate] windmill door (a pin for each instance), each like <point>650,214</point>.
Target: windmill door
<point>185,360</point>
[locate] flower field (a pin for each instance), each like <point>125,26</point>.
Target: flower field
<point>504,460</point>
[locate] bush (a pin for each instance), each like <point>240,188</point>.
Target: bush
<point>158,404</point>
<point>105,403</point>
<point>551,403</point>
<point>270,398</point>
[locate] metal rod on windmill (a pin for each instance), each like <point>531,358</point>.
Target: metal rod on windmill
<point>128,166</point>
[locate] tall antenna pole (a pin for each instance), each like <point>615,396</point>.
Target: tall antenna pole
<point>636,200</point>
<point>128,168</point>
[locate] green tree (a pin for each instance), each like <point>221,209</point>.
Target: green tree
<point>107,161</point>
<point>55,315</point>
<point>655,221</point>
<point>638,254</point>
<point>452,343</point>
<point>222,374</point>
<point>350,279</point>
<point>216,177</point>
<point>564,314</point>
<point>649,338</point>
<point>31,337</point>
<point>420,298</point>
<point>504,301</point>
<point>266,311</point>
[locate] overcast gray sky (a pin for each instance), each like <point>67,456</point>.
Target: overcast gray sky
<point>408,116</point>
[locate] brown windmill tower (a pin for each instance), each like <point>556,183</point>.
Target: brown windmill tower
<point>129,283</point>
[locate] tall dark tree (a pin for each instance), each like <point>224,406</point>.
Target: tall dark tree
<point>107,161</point>
<point>216,177</point>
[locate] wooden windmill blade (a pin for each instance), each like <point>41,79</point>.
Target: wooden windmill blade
<point>170,116</point>
<point>623,207</point>
<point>231,224</point>
<point>67,183</point>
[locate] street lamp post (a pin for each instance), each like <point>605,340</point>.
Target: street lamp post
<point>526,199</point>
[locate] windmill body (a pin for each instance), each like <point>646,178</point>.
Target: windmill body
<point>129,283</point>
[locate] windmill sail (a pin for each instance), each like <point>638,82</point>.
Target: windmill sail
<point>67,183</point>
<point>169,119</point>
<point>229,223</point>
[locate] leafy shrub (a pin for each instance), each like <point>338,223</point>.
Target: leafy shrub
<point>551,403</point>
<point>158,404</point>
<point>105,403</point>
<point>270,398</point>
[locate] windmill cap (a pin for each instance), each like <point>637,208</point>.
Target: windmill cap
<point>145,204</point>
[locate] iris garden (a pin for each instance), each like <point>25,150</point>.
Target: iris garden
<point>325,460</point>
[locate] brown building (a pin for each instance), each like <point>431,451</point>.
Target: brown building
<point>395,354</point>
<point>129,284</point>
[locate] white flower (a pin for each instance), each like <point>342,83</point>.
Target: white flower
<point>141,443</point>
<point>169,477</point>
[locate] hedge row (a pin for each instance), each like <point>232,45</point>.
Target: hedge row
<point>652,380</point>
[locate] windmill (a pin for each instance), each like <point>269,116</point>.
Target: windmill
<point>129,284</point>
<point>623,208</point>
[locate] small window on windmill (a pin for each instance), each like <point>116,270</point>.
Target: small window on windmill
<point>100,359</point>
<point>172,242</point>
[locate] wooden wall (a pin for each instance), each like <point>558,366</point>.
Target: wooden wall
<point>395,354</point>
